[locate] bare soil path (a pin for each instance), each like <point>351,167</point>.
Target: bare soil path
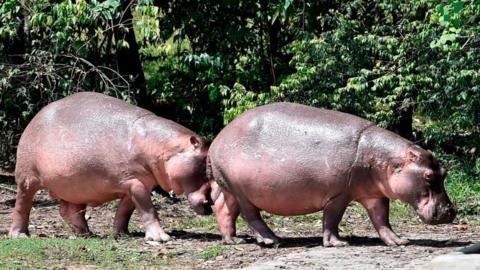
<point>197,244</point>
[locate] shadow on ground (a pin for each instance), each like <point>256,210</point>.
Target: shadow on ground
<point>292,242</point>
<point>36,203</point>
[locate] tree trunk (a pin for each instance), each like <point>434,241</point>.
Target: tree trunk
<point>273,32</point>
<point>404,125</point>
<point>128,58</point>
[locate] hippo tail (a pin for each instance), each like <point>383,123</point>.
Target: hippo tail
<point>216,189</point>
<point>208,169</point>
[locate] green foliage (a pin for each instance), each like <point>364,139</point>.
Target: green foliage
<point>459,20</point>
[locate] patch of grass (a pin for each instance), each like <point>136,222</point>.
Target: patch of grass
<point>212,252</point>
<point>464,191</point>
<point>300,223</point>
<point>43,253</point>
<point>402,212</point>
<point>310,218</point>
<point>206,222</point>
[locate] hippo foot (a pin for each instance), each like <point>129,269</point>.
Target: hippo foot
<point>397,242</point>
<point>391,239</point>
<point>121,233</point>
<point>83,231</point>
<point>157,236</point>
<point>17,234</point>
<point>334,242</point>
<point>267,241</point>
<point>87,234</point>
<point>233,241</point>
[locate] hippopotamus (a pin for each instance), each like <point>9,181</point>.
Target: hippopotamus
<point>89,148</point>
<point>291,159</point>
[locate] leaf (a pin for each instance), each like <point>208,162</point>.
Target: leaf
<point>446,38</point>
<point>457,6</point>
<point>213,93</point>
<point>445,19</point>
<point>123,44</point>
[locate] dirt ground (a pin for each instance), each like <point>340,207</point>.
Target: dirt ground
<point>300,246</point>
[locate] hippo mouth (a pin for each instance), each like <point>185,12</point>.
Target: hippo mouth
<point>201,203</point>
<point>437,215</point>
<point>203,209</point>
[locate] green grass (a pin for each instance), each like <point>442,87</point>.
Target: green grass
<point>464,191</point>
<point>206,222</point>
<point>44,253</point>
<point>212,252</point>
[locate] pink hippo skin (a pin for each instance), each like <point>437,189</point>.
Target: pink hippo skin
<point>290,159</point>
<point>88,149</point>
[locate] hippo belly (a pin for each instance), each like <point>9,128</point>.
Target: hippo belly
<point>272,183</point>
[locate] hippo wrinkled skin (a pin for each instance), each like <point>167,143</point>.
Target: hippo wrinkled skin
<point>290,159</point>
<point>89,148</point>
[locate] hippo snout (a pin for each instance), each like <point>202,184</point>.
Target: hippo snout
<point>200,208</point>
<point>439,215</point>
<point>201,202</point>
<point>204,210</point>
<point>445,215</point>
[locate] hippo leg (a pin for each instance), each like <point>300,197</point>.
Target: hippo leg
<point>226,213</point>
<point>140,196</point>
<point>21,214</point>
<point>332,214</point>
<point>74,215</point>
<point>123,214</point>
<point>378,209</point>
<point>261,231</point>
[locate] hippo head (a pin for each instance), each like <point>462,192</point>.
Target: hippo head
<point>419,181</point>
<point>187,173</point>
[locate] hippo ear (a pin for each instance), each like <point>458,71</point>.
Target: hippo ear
<point>195,142</point>
<point>413,155</point>
<point>443,172</point>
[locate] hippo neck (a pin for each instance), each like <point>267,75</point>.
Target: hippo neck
<point>377,149</point>
<point>155,141</point>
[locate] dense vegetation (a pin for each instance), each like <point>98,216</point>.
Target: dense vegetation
<point>410,66</point>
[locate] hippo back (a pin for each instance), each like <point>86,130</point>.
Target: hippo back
<point>288,131</point>
<point>85,131</point>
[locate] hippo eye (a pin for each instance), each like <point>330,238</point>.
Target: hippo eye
<point>424,193</point>
<point>397,166</point>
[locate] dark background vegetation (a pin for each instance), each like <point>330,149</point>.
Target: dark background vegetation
<point>410,66</point>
